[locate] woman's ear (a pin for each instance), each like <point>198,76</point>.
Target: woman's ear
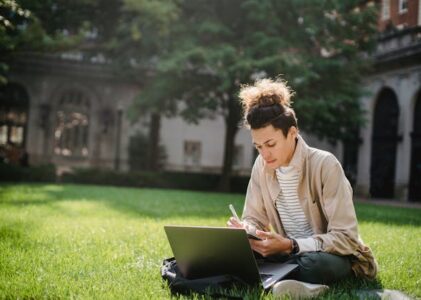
<point>293,131</point>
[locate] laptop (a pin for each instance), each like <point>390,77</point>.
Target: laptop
<point>210,251</point>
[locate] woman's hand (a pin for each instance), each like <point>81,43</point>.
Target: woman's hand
<point>271,243</point>
<point>233,222</point>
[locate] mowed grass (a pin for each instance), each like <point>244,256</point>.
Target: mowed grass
<point>75,241</point>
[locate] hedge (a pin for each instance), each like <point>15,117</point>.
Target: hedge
<point>41,173</point>
<point>173,180</point>
<point>162,179</point>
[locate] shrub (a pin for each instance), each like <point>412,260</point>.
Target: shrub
<point>41,173</point>
<point>138,153</point>
<point>173,180</point>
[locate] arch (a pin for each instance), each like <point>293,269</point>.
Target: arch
<point>415,168</point>
<point>63,87</point>
<point>384,144</point>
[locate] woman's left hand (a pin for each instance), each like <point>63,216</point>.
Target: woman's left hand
<point>271,243</point>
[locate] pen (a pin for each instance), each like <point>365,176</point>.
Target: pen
<point>234,213</point>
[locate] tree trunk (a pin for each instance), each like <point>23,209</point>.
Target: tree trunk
<point>231,128</point>
<point>153,153</point>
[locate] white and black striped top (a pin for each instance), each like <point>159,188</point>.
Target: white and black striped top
<point>290,211</point>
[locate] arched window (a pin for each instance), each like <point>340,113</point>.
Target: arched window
<point>72,125</point>
<point>384,145</point>
<point>14,105</point>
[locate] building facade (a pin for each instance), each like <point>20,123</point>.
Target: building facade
<point>389,156</point>
<point>70,113</point>
<point>65,110</point>
<point>73,111</point>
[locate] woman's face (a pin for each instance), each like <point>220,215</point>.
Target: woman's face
<point>276,149</point>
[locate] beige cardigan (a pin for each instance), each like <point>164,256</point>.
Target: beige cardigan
<point>326,198</point>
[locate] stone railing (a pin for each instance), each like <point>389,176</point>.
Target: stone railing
<point>398,44</point>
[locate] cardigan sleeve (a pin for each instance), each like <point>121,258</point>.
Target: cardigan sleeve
<point>337,204</point>
<point>254,213</point>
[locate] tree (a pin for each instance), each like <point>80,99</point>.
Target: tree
<point>53,25</point>
<point>12,21</point>
<point>218,45</point>
<point>141,38</point>
<point>128,32</point>
<point>190,56</point>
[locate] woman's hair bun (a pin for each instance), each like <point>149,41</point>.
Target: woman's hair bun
<point>265,92</point>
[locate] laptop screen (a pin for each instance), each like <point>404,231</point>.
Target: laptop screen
<point>210,251</point>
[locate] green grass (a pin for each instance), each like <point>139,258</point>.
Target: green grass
<point>74,241</point>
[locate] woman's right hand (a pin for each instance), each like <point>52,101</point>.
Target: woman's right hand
<point>234,223</point>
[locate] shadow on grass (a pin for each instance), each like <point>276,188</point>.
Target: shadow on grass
<point>14,233</point>
<point>14,238</point>
<point>163,204</point>
<point>353,288</point>
<point>152,203</point>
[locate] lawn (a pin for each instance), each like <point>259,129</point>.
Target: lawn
<point>75,241</point>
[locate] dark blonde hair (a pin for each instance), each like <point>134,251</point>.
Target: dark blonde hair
<point>268,102</point>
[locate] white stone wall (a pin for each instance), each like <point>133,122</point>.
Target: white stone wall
<point>405,83</point>
<point>46,89</point>
<point>211,134</point>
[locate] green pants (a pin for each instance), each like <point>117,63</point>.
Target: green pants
<point>320,267</point>
<point>316,267</point>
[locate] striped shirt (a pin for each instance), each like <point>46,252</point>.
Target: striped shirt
<point>290,211</point>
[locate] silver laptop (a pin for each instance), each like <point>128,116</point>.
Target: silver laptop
<point>210,251</point>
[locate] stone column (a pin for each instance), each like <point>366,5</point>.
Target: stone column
<point>407,89</point>
<point>364,152</point>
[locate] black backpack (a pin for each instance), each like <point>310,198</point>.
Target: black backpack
<point>221,286</point>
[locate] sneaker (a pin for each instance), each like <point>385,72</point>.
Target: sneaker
<point>297,289</point>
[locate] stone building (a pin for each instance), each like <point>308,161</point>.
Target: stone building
<point>389,156</point>
<point>72,110</point>
<point>65,111</point>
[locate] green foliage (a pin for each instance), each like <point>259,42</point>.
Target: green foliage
<point>83,25</point>
<point>12,19</point>
<point>198,52</point>
<point>75,241</point>
<point>139,36</point>
<point>213,46</point>
<point>201,51</point>
<point>44,26</point>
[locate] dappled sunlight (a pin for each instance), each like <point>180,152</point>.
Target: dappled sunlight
<point>134,203</point>
<point>396,248</point>
<point>387,215</point>
<point>82,208</point>
<point>52,188</point>
<point>103,240</point>
<point>23,194</point>
<point>154,203</point>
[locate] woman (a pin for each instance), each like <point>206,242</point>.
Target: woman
<point>298,200</point>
